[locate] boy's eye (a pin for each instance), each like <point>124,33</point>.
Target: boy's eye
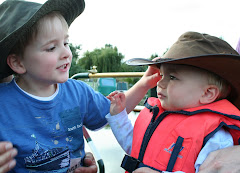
<point>51,49</point>
<point>66,44</point>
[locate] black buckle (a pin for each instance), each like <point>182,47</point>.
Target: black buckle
<point>130,163</point>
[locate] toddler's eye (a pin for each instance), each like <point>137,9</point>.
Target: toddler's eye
<point>172,77</point>
<point>66,44</point>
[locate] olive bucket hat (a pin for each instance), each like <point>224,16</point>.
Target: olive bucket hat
<point>203,51</point>
<point>17,16</point>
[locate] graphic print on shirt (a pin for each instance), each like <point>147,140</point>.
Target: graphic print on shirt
<point>71,121</point>
<point>46,159</point>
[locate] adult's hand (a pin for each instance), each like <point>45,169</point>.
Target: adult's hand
<point>226,160</point>
<point>145,170</point>
<point>149,170</point>
<point>7,154</point>
<point>90,165</point>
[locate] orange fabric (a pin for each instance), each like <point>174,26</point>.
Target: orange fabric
<point>192,128</point>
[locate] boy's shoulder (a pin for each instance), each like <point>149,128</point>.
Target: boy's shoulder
<point>6,85</point>
<point>7,89</point>
<point>3,84</point>
<point>73,83</point>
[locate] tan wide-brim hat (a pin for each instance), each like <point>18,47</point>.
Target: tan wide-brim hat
<point>17,16</point>
<point>203,51</point>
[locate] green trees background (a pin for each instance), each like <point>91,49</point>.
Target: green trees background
<point>107,59</point>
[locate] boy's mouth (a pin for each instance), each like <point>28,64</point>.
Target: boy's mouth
<point>62,67</point>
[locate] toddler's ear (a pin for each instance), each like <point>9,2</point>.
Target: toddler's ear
<point>15,63</point>
<point>210,94</point>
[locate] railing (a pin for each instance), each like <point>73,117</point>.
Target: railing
<point>102,75</point>
<point>85,133</point>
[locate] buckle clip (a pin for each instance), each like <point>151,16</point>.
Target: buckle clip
<point>130,163</point>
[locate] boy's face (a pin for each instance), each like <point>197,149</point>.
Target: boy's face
<point>181,86</point>
<point>47,58</point>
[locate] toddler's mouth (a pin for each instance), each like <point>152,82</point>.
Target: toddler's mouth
<point>160,95</point>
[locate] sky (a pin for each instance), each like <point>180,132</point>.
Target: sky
<point>140,28</point>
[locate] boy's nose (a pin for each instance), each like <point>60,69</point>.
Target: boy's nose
<point>66,53</point>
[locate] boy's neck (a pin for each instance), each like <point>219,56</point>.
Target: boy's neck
<point>37,90</point>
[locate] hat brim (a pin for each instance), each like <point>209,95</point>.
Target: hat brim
<point>224,65</point>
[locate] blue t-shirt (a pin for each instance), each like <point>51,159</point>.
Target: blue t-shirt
<point>48,134</point>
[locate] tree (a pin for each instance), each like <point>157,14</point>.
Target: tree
<point>75,67</point>
<point>107,59</point>
<point>154,56</point>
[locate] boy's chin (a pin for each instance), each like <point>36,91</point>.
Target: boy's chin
<point>63,80</point>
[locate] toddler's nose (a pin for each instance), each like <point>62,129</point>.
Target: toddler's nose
<point>162,83</point>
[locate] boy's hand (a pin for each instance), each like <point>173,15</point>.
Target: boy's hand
<point>118,102</point>
<point>90,165</point>
<point>7,154</point>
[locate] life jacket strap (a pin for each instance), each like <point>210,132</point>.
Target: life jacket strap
<point>174,155</point>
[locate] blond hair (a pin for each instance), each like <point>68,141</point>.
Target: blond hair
<point>223,86</point>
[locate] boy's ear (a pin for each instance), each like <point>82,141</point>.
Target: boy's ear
<point>210,94</point>
<point>15,63</point>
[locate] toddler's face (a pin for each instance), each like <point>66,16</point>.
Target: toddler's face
<point>181,86</point>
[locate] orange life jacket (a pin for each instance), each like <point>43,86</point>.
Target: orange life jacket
<point>172,140</point>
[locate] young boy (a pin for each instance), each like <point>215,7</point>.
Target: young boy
<point>42,110</point>
<point>191,116</point>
